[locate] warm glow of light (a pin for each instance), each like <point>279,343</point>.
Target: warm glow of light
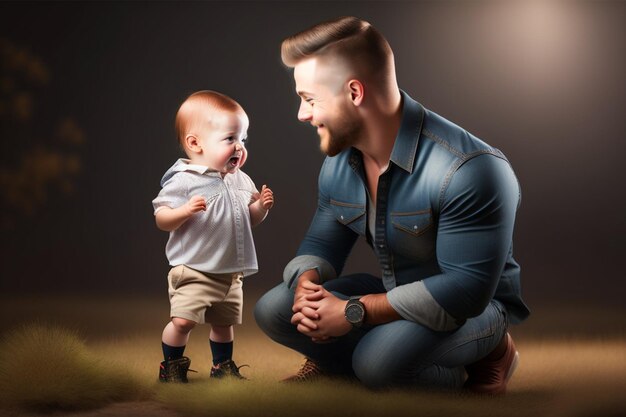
<point>546,33</point>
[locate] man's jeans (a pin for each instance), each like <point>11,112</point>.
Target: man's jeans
<point>400,353</point>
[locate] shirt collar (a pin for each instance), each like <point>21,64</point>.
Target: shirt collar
<point>405,145</point>
<point>184,164</point>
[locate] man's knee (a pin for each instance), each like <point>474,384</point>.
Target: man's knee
<point>271,307</point>
<point>262,312</point>
<point>372,371</point>
<point>385,356</point>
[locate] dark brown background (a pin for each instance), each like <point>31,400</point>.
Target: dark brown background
<point>541,80</point>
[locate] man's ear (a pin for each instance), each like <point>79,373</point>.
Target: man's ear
<point>192,143</point>
<point>357,92</point>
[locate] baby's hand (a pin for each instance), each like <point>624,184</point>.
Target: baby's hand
<point>267,198</point>
<point>195,204</point>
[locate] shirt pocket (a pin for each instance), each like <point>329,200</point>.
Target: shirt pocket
<point>413,234</point>
<point>350,215</point>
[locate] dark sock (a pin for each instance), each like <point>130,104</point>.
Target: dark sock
<point>172,352</point>
<point>221,351</point>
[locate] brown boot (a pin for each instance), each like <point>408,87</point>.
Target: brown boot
<point>175,370</point>
<point>310,371</point>
<point>491,374</point>
<point>228,368</point>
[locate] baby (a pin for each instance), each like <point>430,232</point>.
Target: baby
<point>209,207</point>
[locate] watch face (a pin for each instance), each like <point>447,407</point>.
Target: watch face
<point>354,313</point>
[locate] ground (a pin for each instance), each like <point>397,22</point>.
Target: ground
<point>573,363</point>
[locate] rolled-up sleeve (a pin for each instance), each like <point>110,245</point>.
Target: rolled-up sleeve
<point>303,263</point>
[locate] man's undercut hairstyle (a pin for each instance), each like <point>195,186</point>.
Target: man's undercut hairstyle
<point>193,112</point>
<point>363,47</point>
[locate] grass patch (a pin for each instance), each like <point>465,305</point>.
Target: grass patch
<point>573,378</point>
<point>47,368</point>
<point>564,372</point>
<point>332,398</point>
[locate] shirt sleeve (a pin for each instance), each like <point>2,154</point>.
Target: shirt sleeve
<point>249,184</point>
<point>327,243</point>
<point>246,184</point>
<point>475,232</point>
<point>173,194</point>
<point>304,263</point>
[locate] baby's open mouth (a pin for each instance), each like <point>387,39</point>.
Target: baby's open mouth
<point>234,161</point>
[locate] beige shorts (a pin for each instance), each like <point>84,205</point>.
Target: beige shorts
<point>205,298</point>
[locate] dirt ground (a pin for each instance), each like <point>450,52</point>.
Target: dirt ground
<point>127,409</point>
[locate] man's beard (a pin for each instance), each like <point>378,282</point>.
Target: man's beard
<point>340,138</point>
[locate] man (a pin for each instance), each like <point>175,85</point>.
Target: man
<point>436,204</point>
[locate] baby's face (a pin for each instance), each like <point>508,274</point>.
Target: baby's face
<point>223,142</point>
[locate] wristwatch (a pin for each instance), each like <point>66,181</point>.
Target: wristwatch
<point>355,312</point>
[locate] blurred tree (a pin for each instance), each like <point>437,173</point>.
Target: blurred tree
<point>35,159</point>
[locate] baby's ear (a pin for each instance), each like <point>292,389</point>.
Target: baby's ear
<point>192,144</point>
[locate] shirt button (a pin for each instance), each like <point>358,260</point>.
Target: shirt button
<point>341,217</point>
<point>414,227</point>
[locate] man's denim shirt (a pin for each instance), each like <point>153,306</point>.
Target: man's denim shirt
<point>445,213</point>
